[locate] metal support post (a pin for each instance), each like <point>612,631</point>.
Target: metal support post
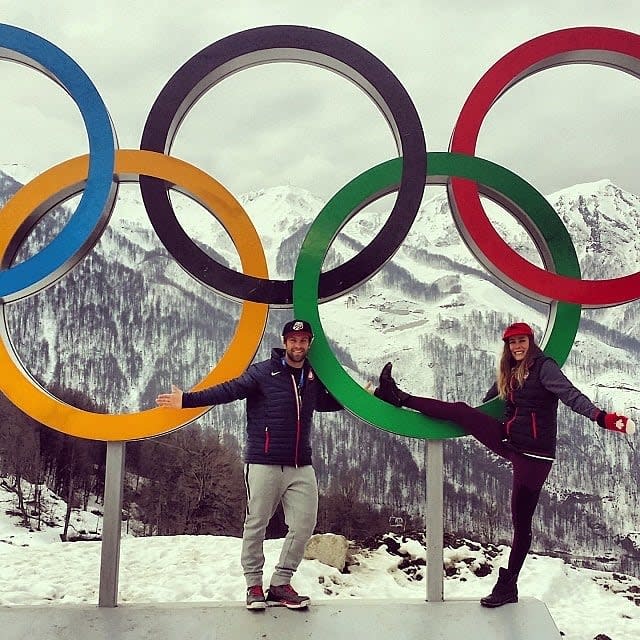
<point>434,520</point>
<point>111,525</point>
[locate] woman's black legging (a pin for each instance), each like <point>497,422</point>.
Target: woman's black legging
<point>529,474</point>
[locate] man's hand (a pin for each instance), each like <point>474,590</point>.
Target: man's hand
<point>171,400</point>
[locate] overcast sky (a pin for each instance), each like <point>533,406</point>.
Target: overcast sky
<point>297,124</point>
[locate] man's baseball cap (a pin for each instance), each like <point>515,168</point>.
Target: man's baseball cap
<point>297,326</point>
<point>517,329</point>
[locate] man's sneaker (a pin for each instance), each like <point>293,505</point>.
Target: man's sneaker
<point>285,595</point>
<point>255,597</point>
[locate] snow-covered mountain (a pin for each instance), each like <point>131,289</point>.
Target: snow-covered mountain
<point>127,321</point>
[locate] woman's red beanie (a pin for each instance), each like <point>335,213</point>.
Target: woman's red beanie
<point>517,329</point>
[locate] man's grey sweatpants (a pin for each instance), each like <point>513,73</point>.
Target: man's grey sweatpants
<point>267,485</point>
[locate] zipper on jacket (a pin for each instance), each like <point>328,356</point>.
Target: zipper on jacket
<point>267,437</point>
<point>534,426</point>
<point>298,429</point>
<point>510,422</point>
<point>298,426</point>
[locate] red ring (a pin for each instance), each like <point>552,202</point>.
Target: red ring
<point>594,45</point>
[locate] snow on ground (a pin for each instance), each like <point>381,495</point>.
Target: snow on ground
<point>36,568</point>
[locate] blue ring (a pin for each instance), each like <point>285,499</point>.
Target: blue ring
<point>96,204</point>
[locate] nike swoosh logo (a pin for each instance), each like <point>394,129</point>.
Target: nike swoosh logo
<point>275,373</point>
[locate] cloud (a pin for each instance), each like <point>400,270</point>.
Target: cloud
<point>270,125</point>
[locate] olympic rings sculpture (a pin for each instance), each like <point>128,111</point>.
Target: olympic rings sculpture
<point>466,176</point>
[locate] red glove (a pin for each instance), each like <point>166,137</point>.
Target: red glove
<point>615,422</point>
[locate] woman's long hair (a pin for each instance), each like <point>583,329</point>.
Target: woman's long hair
<point>511,372</point>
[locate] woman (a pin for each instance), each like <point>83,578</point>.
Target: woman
<point>531,384</point>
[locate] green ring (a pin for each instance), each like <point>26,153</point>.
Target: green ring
<point>494,181</point>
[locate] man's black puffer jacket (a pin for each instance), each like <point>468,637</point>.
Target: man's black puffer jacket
<point>278,424</point>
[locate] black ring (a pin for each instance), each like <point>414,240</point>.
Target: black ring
<point>285,44</point>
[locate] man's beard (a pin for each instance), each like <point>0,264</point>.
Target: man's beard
<point>296,357</point>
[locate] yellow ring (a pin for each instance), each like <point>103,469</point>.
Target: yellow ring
<point>69,177</point>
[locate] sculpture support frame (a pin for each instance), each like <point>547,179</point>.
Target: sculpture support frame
<point>112,524</point>
<point>434,519</point>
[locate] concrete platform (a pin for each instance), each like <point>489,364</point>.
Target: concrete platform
<point>325,619</point>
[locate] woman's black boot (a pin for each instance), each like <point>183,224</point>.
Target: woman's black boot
<point>387,389</point>
<point>504,591</point>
